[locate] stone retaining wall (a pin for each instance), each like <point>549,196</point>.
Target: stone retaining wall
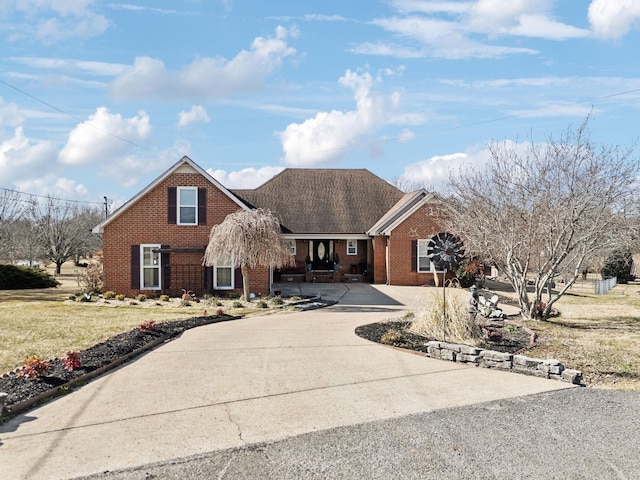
<point>551,369</point>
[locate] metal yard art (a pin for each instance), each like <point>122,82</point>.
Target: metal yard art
<point>446,252</point>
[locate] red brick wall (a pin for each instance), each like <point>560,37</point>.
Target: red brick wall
<point>379,260</point>
<point>423,224</point>
<point>145,222</point>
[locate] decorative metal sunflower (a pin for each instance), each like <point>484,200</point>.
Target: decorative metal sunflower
<point>445,250</point>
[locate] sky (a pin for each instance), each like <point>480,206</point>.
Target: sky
<point>98,98</point>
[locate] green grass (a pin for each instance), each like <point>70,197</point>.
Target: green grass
<point>44,322</point>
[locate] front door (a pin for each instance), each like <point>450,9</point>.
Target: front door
<point>322,254</point>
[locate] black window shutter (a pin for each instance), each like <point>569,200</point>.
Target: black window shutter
<point>165,261</point>
<point>135,267</point>
<point>202,206</point>
<point>172,205</point>
<point>208,279</point>
<point>238,278</point>
<point>414,255</point>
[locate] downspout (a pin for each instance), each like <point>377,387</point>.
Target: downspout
<point>387,257</point>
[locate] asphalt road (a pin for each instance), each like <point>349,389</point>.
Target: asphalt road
<point>579,433</point>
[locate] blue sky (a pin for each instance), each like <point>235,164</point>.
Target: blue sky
<point>97,98</point>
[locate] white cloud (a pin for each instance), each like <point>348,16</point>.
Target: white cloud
<point>10,115</point>
<point>59,187</point>
<point>52,21</point>
<point>325,137</point>
<point>614,18</point>
<point>103,138</point>
<point>247,178</point>
<point>21,157</point>
<point>457,30</point>
<point>69,64</point>
<point>197,114</point>
<point>436,171</point>
<point>206,77</point>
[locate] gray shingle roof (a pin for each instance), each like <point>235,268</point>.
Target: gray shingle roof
<point>337,201</point>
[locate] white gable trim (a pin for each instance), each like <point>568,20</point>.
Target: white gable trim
<point>411,206</point>
<point>184,165</point>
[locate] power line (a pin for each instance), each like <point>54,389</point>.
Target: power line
<point>57,109</point>
<point>9,190</point>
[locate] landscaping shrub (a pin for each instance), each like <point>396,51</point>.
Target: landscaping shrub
<point>14,277</point>
<point>459,327</point>
<point>391,336</point>
<point>109,295</point>
<point>237,304</point>
<point>618,264</point>
<point>164,298</point>
<point>277,301</point>
<point>33,367</point>
<point>120,297</point>
<point>262,304</point>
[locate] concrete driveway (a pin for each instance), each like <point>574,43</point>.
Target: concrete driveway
<point>257,379</point>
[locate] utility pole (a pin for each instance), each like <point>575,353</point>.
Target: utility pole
<point>106,207</point>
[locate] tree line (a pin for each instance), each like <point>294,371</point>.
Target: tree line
<point>46,229</point>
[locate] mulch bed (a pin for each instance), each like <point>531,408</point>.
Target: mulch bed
<point>94,360</point>
<point>511,339</point>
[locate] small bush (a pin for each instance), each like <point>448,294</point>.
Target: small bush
<point>72,297</point>
<point>237,304</point>
<point>277,301</point>
<point>33,367</point>
<point>109,295</point>
<point>164,298</point>
<point>120,297</point>
<point>148,326</point>
<point>141,297</point>
<point>262,304</point>
<point>391,336</point>
<point>14,277</point>
<point>71,360</point>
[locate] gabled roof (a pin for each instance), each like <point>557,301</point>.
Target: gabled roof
<point>184,163</point>
<point>324,201</point>
<point>405,207</point>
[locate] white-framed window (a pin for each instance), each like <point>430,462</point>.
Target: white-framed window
<point>187,205</point>
<point>223,274</point>
<point>424,262</point>
<point>352,247</point>
<point>150,268</point>
<point>292,247</point>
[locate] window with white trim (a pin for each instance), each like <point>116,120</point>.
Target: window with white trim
<point>223,274</point>
<point>150,268</point>
<point>352,247</point>
<point>292,247</point>
<point>187,205</point>
<point>424,263</point>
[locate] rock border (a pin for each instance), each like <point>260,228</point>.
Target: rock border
<point>550,369</point>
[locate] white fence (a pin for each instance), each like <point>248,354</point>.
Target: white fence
<point>603,286</point>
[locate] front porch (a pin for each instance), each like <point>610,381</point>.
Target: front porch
<point>321,260</point>
<point>320,276</point>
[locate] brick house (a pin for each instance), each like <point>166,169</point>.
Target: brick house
<point>342,224</point>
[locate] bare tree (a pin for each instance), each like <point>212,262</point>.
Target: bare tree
<point>65,231</point>
<point>12,209</point>
<point>550,210</point>
<point>251,238</point>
